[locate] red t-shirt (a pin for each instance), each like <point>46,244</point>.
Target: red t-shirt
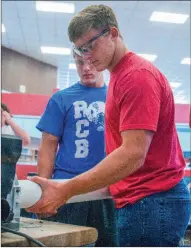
<point>140,97</point>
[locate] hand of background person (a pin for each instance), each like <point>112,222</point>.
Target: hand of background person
<point>7,116</point>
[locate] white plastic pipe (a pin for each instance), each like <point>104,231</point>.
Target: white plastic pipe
<point>31,194</point>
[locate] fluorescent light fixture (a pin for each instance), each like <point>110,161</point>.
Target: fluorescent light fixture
<point>186,61</point>
<point>179,97</point>
<point>168,17</point>
<point>180,93</point>
<point>150,57</point>
<point>55,6</point>
<point>72,66</point>
<point>175,85</point>
<point>6,91</point>
<point>3,28</point>
<point>55,50</point>
<point>181,101</point>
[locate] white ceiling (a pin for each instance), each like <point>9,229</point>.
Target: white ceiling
<point>27,30</point>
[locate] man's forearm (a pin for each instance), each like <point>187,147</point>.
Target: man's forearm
<point>45,163</point>
<point>118,165</point>
<point>46,155</point>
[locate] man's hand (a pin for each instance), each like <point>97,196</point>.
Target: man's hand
<point>53,196</point>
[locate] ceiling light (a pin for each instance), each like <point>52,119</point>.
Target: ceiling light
<point>72,66</point>
<point>150,57</point>
<point>186,61</point>
<point>179,97</point>
<point>3,28</point>
<point>168,17</point>
<point>55,7</point>
<point>6,91</point>
<point>181,101</point>
<point>175,85</point>
<point>56,50</point>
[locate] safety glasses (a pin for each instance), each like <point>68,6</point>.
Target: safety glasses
<point>87,48</point>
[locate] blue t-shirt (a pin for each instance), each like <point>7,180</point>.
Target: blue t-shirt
<point>76,116</point>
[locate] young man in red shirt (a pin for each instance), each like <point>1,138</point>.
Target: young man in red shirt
<point>145,165</point>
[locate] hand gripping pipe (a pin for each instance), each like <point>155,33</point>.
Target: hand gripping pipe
<point>31,193</point>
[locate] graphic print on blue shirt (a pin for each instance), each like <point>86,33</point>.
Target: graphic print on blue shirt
<point>76,116</point>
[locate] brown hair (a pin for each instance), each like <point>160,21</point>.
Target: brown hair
<point>93,16</point>
<point>5,108</point>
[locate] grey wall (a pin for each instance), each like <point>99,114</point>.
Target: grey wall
<point>18,69</point>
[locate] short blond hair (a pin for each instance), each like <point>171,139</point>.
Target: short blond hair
<point>93,16</point>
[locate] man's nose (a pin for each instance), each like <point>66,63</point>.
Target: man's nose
<point>87,64</point>
<point>86,56</point>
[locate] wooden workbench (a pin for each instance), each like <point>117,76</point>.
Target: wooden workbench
<point>50,234</point>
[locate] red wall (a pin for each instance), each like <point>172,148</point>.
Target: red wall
<point>182,113</point>
<point>23,170</point>
<point>25,104</point>
<point>28,104</point>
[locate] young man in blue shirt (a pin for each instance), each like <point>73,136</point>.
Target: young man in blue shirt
<point>72,129</point>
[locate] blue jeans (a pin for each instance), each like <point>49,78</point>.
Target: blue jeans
<point>157,220</point>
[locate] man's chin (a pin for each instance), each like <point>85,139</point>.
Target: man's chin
<point>89,83</point>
